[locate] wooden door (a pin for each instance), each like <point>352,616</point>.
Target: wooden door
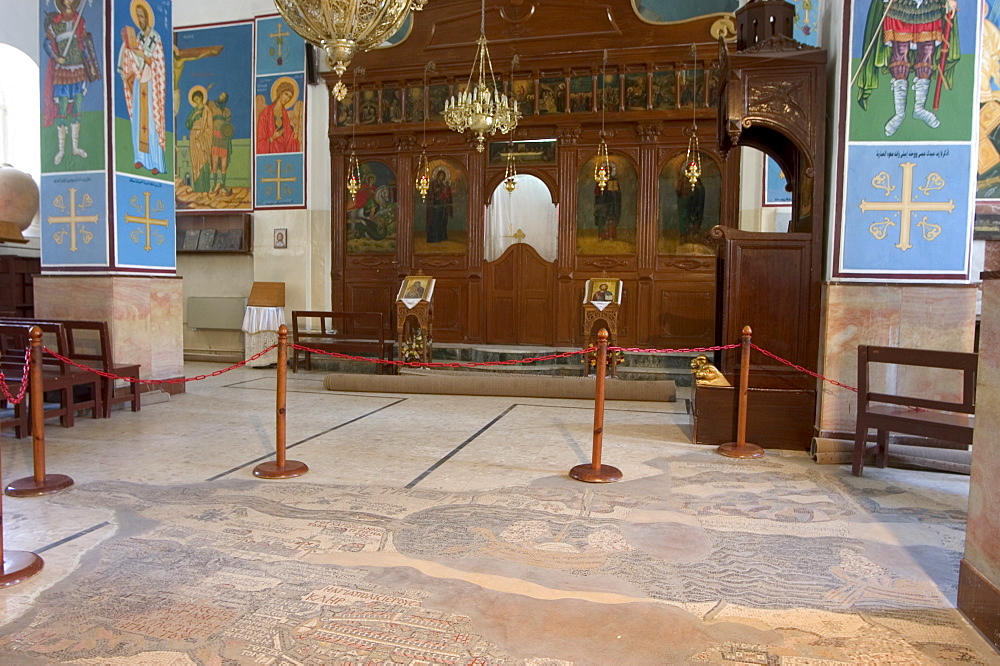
<point>519,305</point>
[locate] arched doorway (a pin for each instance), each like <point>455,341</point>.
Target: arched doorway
<point>519,271</point>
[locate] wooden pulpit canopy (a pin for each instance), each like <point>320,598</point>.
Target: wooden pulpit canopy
<point>772,97</point>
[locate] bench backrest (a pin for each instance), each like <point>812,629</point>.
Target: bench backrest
<point>15,338</point>
<point>967,362</point>
<point>89,341</point>
<point>332,324</point>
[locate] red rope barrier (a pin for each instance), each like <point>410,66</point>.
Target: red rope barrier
<point>421,364</point>
<point>178,380</point>
<point>799,367</point>
<point>409,364</point>
<point>690,350</point>
<point>24,382</point>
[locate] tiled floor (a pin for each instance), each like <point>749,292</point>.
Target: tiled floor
<point>223,426</point>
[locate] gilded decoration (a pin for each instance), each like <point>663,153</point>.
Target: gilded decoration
<point>706,374</point>
<point>781,99</point>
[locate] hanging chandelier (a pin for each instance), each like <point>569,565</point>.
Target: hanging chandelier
<point>423,183</point>
<point>602,168</point>
<point>481,107</point>
<point>353,168</point>
<point>353,174</point>
<point>342,28</point>
<point>510,176</point>
<point>692,162</point>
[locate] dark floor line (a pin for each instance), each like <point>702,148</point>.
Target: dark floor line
<point>71,537</point>
<point>458,448</point>
<point>271,383</point>
<point>303,441</point>
<point>287,390</point>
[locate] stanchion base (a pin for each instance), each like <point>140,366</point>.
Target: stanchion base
<point>19,565</point>
<point>734,450</point>
<point>29,487</point>
<point>603,474</point>
<point>270,470</point>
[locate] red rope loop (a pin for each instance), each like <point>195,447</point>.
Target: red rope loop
<point>799,367</point>
<point>137,380</point>
<point>24,382</point>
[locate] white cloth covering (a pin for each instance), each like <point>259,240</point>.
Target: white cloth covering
<point>261,328</point>
<point>528,208</point>
<point>257,319</point>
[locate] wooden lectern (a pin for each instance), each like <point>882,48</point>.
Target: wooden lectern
<point>265,313</point>
<point>415,319</point>
<point>594,319</point>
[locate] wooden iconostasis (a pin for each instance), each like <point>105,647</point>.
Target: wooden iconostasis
<point>511,267</point>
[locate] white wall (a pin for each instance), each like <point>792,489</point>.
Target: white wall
<point>19,28</point>
<point>304,266</point>
<point>19,25</point>
<point>754,216</point>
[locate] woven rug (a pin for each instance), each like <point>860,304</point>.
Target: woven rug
<point>713,561</point>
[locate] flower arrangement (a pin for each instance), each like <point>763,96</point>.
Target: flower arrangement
<point>412,348</point>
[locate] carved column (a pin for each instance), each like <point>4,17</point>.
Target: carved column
<point>477,206</point>
<point>406,145</point>
<point>648,205</point>
<point>568,136</point>
<point>338,227</point>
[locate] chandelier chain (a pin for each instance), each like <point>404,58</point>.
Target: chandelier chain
<point>482,107</point>
<point>602,167</point>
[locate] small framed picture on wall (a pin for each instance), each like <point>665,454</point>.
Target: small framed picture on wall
<point>280,239</point>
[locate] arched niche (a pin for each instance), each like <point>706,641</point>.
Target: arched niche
<point>494,183</point>
<point>794,160</point>
<point>765,194</point>
<point>686,211</point>
<point>373,211</point>
<point>606,218</point>
<point>441,219</point>
<point>527,210</point>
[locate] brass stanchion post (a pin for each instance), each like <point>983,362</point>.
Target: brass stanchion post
<point>740,448</point>
<point>595,472</point>
<point>18,565</point>
<point>281,468</point>
<point>41,483</point>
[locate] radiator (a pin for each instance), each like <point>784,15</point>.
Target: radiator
<point>216,312</point>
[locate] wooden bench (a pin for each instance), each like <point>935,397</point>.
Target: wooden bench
<point>57,377</point>
<point>941,420</point>
<point>89,343</point>
<point>354,333</point>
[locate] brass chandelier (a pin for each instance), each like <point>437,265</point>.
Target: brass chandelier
<point>423,182</point>
<point>481,107</point>
<point>692,161</point>
<point>342,28</point>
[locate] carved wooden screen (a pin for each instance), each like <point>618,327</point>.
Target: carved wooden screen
<point>650,87</point>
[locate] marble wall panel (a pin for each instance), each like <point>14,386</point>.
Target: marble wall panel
<point>144,316</point>
<point>921,316</point>
<point>982,541</point>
